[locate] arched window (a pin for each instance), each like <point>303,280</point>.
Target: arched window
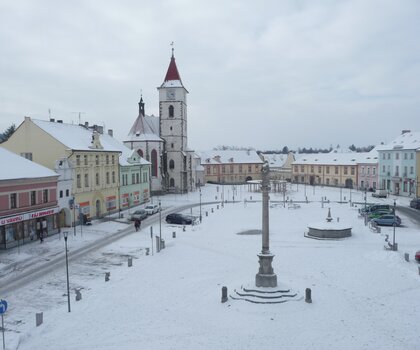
<point>171,182</point>
<point>171,164</point>
<point>154,162</point>
<point>171,111</point>
<point>140,153</point>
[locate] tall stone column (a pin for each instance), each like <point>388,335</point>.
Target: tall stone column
<point>265,276</point>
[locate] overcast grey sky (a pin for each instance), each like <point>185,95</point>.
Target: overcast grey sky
<point>260,73</point>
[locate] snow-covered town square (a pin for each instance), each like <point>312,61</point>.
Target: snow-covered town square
<point>363,296</point>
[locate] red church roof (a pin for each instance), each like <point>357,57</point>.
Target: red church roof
<point>172,73</point>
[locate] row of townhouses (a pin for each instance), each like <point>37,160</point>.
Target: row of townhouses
<point>394,166</point>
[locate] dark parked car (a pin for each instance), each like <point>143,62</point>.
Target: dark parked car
<point>375,207</point>
<point>415,203</point>
<point>180,219</point>
<point>417,256</point>
<point>139,215</point>
<point>388,220</point>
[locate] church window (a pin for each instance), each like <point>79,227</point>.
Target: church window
<point>171,111</point>
<point>170,128</point>
<point>140,153</point>
<point>154,162</point>
<point>171,164</point>
<point>171,182</point>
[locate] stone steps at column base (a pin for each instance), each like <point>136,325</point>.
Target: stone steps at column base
<point>265,295</point>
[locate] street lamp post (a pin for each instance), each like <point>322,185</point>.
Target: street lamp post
<point>393,235</point>
<point>200,206</point>
<point>160,223</point>
<point>65,233</point>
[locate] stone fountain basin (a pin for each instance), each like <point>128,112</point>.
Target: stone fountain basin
<point>329,230</point>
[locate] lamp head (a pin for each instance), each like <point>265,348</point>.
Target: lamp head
<point>65,234</point>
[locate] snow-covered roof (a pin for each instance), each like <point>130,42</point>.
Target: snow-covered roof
<point>275,160</point>
<point>145,128</point>
<point>330,158</point>
<point>406,141</point>
<point>229,157</point>
<point>74,136</point>
<point>21,168</point>
<point>369,157</point>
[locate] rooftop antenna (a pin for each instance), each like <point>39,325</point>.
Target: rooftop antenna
<point>49,113</point>
<point>172,44</point>
<point>80,115</point>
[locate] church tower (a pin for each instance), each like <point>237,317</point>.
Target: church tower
<point>176,157</point>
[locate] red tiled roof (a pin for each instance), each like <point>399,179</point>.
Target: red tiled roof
<point>172,73</point>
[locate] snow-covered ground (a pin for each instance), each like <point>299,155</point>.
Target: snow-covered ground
<point>364,297</point>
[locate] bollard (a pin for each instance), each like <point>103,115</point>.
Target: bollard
<point>157,244</point>
<point>78,295</point>
<point>147,251</point>
<point>224,295</point>
<point>407,257</point>
<point>207,213</point>
<point>212,210</point>
<point>419,270</point>
<point>107,275</point>
<point>130,261</point>
<point>39,318</point>
<point>308,296</point>
<point>173,234</point>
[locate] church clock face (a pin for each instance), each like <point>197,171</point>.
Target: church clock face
<point>170,94</point>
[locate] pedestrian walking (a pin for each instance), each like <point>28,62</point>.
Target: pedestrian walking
<point>137,224</point>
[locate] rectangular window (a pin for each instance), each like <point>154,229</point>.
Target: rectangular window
<point>113,159</point>
<point>296,168</point>
<point>353,170</point>
<point>78,181</point>
<point>45,196</point>
<point>389,155</point>
<point>33,197</point>
<point>368,170</point>
<point>397,155</point>
<point>383,155</point>
<point>231,168</point>
<point>411,170</point>
<point>405,156</point>
<point>383,168</point>
<point>312,169</point>
<point>249,168</point>
<point>78,160</point>
<point>13,201</point>
<point>107,159</point>
<point>214,169</point>
<point>133,178</point>
<point>240,168</point>
<point>113,177</point>
<point>336,170</point>
<point>107,177</point>
<point>27,155</point>
<point>302,168</point>
<point>97,160</point>
<point>223,169</point>
<point>67,193</point>
<point>61,194</point>
<point>328,169</point>
<point>208,169</point>
<point>85,159</point>
<point>374,171</point>
<point>411,155</point>
<point>137,178</point>
<point>97,179</point>
<point>345,170</point>
<point>363,170</point>
<point>397,170</point>
<point>319,170</point>
<point>405,171</point>
<point>86,180</point>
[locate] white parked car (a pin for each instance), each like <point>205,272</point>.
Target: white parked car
<point>151,209</point>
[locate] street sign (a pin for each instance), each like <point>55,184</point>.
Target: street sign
<point>3,306</point>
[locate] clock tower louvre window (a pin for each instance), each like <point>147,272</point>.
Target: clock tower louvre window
<point>171,111</point>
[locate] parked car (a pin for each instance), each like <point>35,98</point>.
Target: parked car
<point>139,214</point>
<point>380,193</point>
<point>379,213</point>
<point>417,256</point>
<point>415,203</point>
<point>388,220</point>
<point>151,209</point>
<point>372,208</point>
<point>181,219</point>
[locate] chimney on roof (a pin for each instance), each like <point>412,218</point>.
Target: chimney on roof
<point>52,120</point>
<point>98,128</point>
<point>86,124</point>
<point>405,131</point>
<point>111,132</point>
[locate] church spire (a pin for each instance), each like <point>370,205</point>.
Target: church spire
<point>141,106</point>
<point>172,73</point>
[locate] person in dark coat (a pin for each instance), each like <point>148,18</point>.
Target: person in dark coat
<point>137,224</point>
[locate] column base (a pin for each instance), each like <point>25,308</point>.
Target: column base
<point>265,276</point>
